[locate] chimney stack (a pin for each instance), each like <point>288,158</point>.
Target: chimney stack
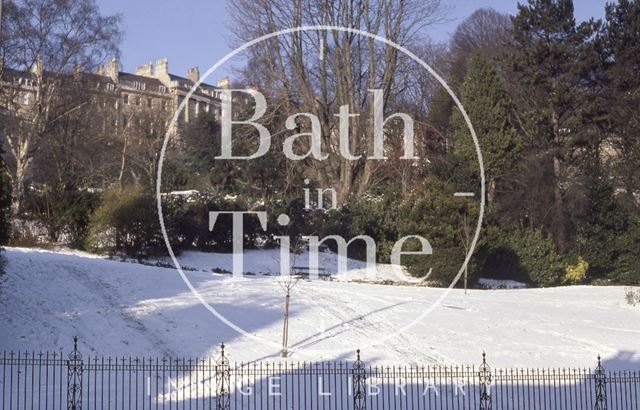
<point>77,71</point>
<point>112,69</point>
<point>162,66</point>
<point>162,72</point>
<point>193,74</point>
<point>145,70</point>
<point>224,82</point>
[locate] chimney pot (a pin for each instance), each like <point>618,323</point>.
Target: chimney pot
<point>145,70</point>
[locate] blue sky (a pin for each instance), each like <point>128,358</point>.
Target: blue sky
<point>195,32</point>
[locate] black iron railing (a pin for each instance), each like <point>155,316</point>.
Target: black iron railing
<point>44,381</point>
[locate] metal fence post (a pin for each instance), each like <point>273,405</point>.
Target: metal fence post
<point>484,377</point>
<point>359,380</point>
<point>601,387</point>
<point>223,380</point>
<point>74,378</point>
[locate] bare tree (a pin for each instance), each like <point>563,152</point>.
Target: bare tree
<point>486,32</point>
<point>318,72</point>
<point>142,138</point>
<point>466,235</point>
<point>49,40</point>
<point>287,281</point>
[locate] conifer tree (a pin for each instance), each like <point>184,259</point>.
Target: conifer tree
<point>553,61</point>
<point>490,109</point>
<point>619,44</point>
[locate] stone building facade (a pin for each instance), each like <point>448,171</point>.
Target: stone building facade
<point>154,88</point>
<point>121,113</point>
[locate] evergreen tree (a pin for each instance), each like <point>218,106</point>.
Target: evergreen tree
<point>599,220</point>
<point>431,210</point>
<point>489,108</point>
<point>619,44</point>
<point>553,62</point>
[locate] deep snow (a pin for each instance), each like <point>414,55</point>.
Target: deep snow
<point>119,308</point>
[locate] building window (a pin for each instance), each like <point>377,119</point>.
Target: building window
<point>138,100</point>
<point>139,85</point>
<point>163,89</point>
<point>149,103</point>
<point>125,98</point>
<point>24,98</point>
<point>165,105</point>
<point>111,87</point>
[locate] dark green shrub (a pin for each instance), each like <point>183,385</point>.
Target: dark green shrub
<point>64,213</point>
<point>187,222</point>
<point>626,268</point>
<point>433,212</point>
<point>126,222</point>
<point>523,255</point>
<point>376,215</point>
<point>303,222</point>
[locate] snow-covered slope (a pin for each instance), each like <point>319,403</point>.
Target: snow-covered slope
<point>121,308</point>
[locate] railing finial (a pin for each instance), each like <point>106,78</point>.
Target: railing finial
<point>484,378</point>
<point>223,381</point>
<point>75,368</point>
<point>600,379</point>
<point>359,380</point>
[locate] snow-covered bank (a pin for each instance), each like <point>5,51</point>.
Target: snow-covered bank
<point>267,262</point>
<point>123,308</point>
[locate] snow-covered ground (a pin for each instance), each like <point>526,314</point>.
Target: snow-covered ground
<point>118,308</point>
<point>267,262</point>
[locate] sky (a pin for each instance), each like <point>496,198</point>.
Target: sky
<point>195,32</point>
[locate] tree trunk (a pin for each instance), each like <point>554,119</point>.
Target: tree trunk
<point>22,168</point>
<point>559,219</point>
<point>285,330</point>
<point>491,191</point>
